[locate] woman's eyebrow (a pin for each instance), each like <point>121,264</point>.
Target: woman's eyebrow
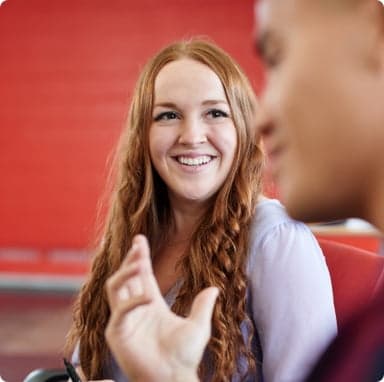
<point>165,104</point>
<point>204,103</point>
<point>214,102</point>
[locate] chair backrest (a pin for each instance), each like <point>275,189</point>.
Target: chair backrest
<point>47,375</point>
<point>354,272</point>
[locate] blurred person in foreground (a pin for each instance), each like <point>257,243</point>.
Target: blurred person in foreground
<point>322,120</point>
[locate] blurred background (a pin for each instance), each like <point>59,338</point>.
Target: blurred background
<point>67,70</point>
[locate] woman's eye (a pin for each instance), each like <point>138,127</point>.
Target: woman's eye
<point>165,116</point>
<point>216,113</point>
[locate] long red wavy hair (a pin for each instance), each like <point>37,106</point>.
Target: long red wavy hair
<point>217,254</point>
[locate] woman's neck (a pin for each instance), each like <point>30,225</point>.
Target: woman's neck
<point>185,218</point>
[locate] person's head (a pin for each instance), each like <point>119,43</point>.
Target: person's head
<point>322,114</point>
<point>190,138</point>
<point>192,101</point>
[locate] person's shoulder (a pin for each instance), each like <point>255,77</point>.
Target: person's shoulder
<point>276,238</point>
<point>269,214</point>
<point>272,227</point>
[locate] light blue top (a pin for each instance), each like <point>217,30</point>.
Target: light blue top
<point>290,297</point>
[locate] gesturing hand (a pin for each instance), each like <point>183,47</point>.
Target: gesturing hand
<point>149,341</point>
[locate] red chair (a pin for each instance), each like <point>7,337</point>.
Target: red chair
<point>355,274</point>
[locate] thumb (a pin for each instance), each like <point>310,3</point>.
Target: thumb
<point>202,307</point>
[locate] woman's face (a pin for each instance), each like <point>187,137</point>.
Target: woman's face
<point>192,139</point>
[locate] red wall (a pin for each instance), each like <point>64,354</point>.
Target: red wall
<point>67,68</point>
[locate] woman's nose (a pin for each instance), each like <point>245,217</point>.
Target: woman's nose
<point>192,132</point>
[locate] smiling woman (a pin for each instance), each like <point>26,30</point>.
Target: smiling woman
<point>189,178</point>
<point>192,139</point>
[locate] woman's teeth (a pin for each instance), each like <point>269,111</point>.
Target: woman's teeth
<point>198,161</point>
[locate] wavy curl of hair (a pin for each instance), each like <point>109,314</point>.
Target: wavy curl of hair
<point>218,252</point>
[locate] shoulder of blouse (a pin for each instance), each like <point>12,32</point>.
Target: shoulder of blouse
<point>270,230</point>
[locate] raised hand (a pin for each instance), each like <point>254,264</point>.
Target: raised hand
<point>149,341</point>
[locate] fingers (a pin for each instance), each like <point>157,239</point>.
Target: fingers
<point>141,252</point>
<point>138,251</point>
<point>127,306</point>
<point>202,307</point>
<point>135,277</point>
<point>138,254</point>
<point>116,286</point>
